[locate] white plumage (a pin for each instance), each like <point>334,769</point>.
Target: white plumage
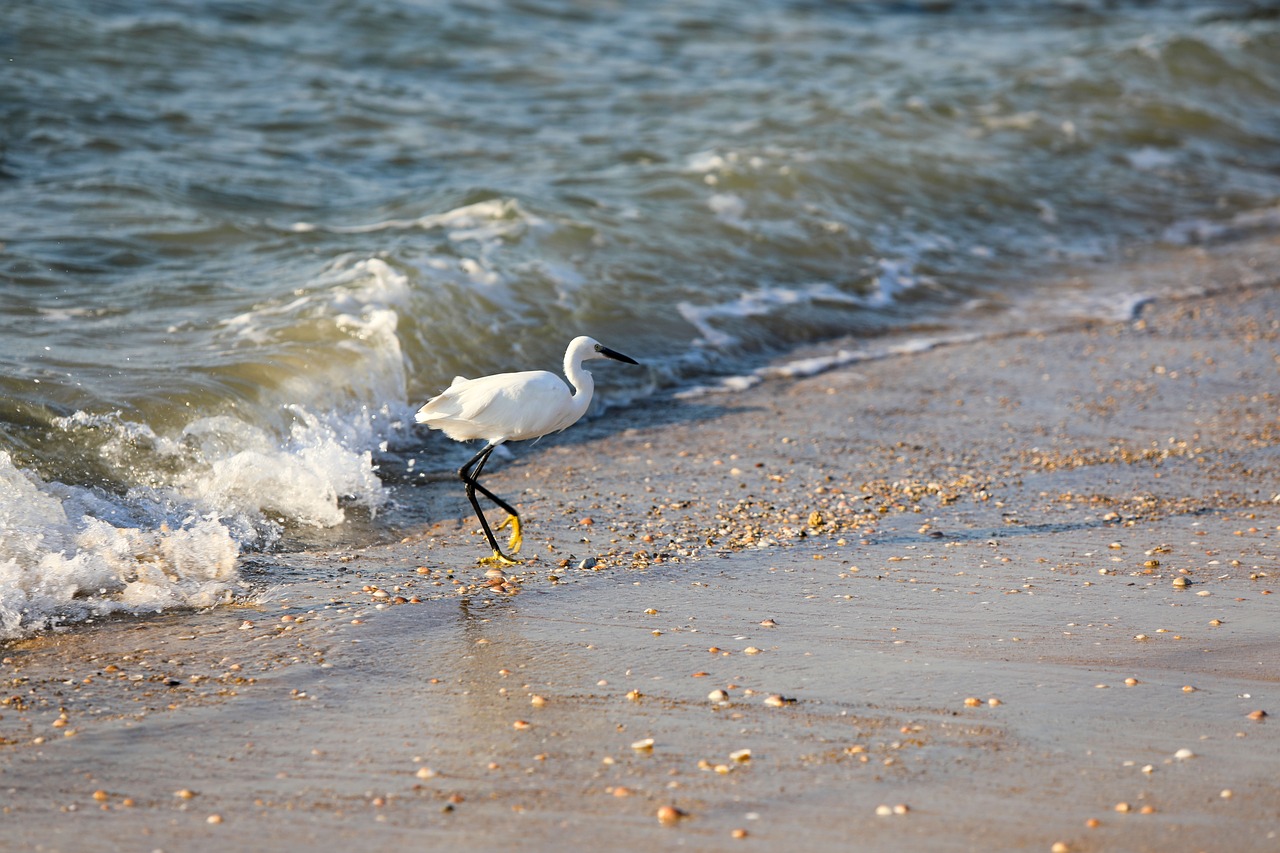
<point>513,407</point>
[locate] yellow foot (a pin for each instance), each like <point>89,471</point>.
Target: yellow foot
<point>498,559</point>
<point>516,540</point>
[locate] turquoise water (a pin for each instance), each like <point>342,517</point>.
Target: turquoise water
<point>243,241</point>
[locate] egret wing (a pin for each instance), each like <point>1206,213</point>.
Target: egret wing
<point>502,407</point>
<point>528,405</point>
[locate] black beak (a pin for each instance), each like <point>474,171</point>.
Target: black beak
<point>613,354</point>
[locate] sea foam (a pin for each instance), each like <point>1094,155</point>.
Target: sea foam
<point>60,563</point>
<point>179,503</point>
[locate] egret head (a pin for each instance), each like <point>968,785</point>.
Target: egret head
<point>604,351</point>
<point>583,348</point>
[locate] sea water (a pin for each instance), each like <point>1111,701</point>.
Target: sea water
<point>240,242</point>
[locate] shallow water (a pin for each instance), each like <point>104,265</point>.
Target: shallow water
<point>242,242</point>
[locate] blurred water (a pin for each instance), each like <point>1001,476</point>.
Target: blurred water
<point>241,241</point>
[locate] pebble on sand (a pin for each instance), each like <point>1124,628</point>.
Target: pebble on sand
<point>670,814</point>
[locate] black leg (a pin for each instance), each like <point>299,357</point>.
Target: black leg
<point>474,479</point>
<point>470,474</point>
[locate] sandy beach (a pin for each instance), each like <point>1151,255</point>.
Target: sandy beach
<point>1009,593</point>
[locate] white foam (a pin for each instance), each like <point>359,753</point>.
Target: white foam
<point>757,303</point>
<point>802,367</point>
<point>244,473</point>
<point>477,233</point>
<point>68,553</point>
<point>58,563</point>
<point>483,221</point>
<point>1195,231</point>
<point>309,452</point>
<point>192,496</point>
<point>895,278</point>
<point>770,158</point>
<point>354,307</point>
<point>728,208</point>
<point>813,366</point>
<point>705,161</point>
<point>1148,158</point>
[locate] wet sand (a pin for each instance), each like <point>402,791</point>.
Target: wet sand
<point>1008,594</point>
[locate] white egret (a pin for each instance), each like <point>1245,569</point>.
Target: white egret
<point>513,407</point>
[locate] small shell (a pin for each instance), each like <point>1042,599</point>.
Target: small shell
<point>669,814</point>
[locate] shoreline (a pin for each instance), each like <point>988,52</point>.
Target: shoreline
<point>1002,520</point>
